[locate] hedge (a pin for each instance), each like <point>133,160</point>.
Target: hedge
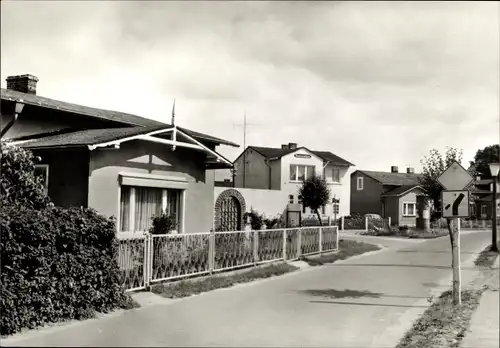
<point>57,264</point>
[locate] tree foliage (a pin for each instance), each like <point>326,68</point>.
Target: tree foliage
<point>490,154</point>
<point>314,193</point>
<point>433,166</point>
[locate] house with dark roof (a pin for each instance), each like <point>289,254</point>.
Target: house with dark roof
<point>482,198</point>
<point>389,194</point>
<point>285,168</point>
<point>120,164</point>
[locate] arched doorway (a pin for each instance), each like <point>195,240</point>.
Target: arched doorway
<point>229,211</point>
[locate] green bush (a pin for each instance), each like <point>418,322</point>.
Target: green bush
<point>18,183</point>
<point>163,224</point>
<point>57,264</point>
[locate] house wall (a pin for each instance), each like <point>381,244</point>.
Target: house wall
<point>392,209</point>
<point>341,190</point>
<point>68,176</point>
<point>366,201</point>
<point>156,159</point>
<point>267,202</point>
<point>256,172</point>
<point>410,197</point>
<point>275,174</point>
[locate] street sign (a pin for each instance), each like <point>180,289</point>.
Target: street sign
<point>455,203</point>
<point>455,177</point>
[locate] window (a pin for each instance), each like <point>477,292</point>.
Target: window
<point>42,172</point>
<point>290,199</point>
<point>409,209</point>
<point>301,172</point>
<point>483,210</point>
<point>336,175</point>
<point>139,204</point>
<point>360,183</point>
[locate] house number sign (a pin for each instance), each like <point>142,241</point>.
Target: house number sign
<point>300,155</point>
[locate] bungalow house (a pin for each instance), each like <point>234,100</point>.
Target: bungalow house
<point>285,168</point>
<point>120,164</point>
<point>481,199</point>
<point>389,194</point>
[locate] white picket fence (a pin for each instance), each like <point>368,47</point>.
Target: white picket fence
<point>148,259</point>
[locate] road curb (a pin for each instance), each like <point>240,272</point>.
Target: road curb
<point>392,335</point>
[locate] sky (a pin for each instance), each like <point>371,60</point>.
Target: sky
<point>377,83</point>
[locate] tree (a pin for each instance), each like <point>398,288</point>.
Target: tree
<point>433,166</point>
<point>490,154</point>
<point>314,193</point>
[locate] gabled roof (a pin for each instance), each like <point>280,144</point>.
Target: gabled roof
<point>122,118</point>
<point>386,178</point>
<point>272,152</point>
<point>400,191</point>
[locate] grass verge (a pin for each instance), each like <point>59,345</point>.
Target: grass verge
<point>443,324</point>
<point>187,288</point>
<point>486,258</point>
<point>347,248</point>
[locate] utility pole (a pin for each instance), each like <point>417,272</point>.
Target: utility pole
<point>244,125</point>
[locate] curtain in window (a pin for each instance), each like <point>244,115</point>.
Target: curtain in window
<point>147,205</point>
<point>336,175</point>
<point>173,204</point>
<point>125,209</point>
<point>293,172</point>
<point>302,173</point>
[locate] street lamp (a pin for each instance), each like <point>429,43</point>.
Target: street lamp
<point>494,168</point>
<point>18,109</point>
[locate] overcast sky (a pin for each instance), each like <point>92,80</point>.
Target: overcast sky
<point>377,83</point>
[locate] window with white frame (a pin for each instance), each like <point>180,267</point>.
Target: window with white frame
<point>301,172</point>
<point>42,172</point>
<point>290,199</point>
<point>359,183</point>
<point>139,204</point>
<point>336,174</point>
<point>409,209</point>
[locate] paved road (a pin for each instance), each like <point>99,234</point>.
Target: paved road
<point>363,302</point>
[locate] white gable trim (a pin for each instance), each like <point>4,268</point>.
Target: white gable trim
<point>303,149</point>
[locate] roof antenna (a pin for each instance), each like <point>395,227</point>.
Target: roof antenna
<point>173,114</point>
<point>174,132</point>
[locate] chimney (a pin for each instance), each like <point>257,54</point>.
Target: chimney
<point>284,147</point>
<point>410,170</point>
<point>394,169</point>
<point>292,146</point>
<point>22,83</point>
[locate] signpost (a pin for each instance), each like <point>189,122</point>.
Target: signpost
<point>455,205</point>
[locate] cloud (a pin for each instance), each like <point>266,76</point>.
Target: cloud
<point>379,83</point>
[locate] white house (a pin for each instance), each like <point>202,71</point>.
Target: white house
<point>283,169</point>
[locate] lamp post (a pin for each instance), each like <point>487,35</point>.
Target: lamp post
<point>494,168</point>
<point>18,109</point>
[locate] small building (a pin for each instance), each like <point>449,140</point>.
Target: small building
<point>388,194</point>
<point>481,199</point>
<point>120,164</point>
<point>285,168</point>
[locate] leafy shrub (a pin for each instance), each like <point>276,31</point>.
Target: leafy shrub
<point>18,183</point>
<point>256,219</point>
<point>57,264</point>
<point>163,223</point>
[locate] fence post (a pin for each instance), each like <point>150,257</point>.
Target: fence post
<point>366,223</point>
<point>299,243</point>
<point>484,223</point>
<point>255,247</point>
<point>329,221</point>
<point>337,238</point>
<point>389,221</point>
<point>148,260</point>
<point>284,244</point>
<point>342,226</point>
<point>211,252</point>
<point>321,240</point>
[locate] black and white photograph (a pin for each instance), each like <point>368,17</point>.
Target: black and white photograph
<point>250,174</point>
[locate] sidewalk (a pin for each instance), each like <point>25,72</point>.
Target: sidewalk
<point>483,330</point>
